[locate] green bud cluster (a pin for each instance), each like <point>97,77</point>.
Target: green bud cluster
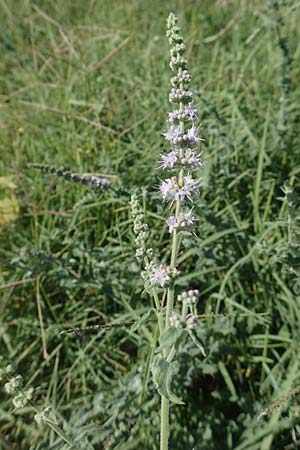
<point>140,228</point>
<point>14,386</point>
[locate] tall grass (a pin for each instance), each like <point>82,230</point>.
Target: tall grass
<point>82,86</point>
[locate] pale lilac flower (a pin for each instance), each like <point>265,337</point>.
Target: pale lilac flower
<point>175,321</point>
<point>159,276</point>
<point>192,136</point>
<point>189,186</point>
<point>192,159</point>
<point>172,223</point>
<point>173,135</point>
<point>169,189</point>
<point>191,321</point>
<point>190,111</point>
<point>169,160</point>
<point>186,219</point>
<point>183,220</point>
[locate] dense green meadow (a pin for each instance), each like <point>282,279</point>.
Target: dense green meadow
<point>84,85</point>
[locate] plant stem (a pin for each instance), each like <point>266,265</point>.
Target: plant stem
<point>165,404</point>
<point>164,424</point>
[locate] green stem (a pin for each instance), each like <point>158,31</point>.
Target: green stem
<point>159,314</point>
<point>165,404</point>
<point>184,311</point>
<point>164,424</point>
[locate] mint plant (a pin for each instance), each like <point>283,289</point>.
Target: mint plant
<point>175,319</point>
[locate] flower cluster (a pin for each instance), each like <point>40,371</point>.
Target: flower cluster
<point>140,228</point>
<point>175,321</point>
<point>14,387</point>
<point>182,135</point>
<point>172,189</point>
<point>42,416</point>
<point>156,275</point>
<point>190,297</point>
<point>191,321</point>
<point>182,220</point>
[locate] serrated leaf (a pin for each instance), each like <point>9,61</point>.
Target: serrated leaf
<point>197,342</point>
<point>163,372</point>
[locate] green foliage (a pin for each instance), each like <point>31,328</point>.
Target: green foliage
<point>84,85</point>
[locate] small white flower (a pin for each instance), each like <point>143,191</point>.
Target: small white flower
<point>12,385</point>
<point>8,368</point>
<point>42,416</point>
<point>188,113</point>
<point>186,219</point>
<point>193,296</point>
<point>189,297</point>
<point>19,401</point>
<point>159,276</point>
<point>175,321</point>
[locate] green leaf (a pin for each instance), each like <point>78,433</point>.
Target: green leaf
<point>196,341</point>
<point>169,338</point>
<point>163,372</point>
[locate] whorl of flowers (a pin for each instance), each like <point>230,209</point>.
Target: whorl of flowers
<point>182,136</point>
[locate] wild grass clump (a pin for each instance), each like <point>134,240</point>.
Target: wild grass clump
<point>84,94</point>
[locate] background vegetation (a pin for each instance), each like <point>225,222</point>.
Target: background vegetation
<point>85,85</point>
